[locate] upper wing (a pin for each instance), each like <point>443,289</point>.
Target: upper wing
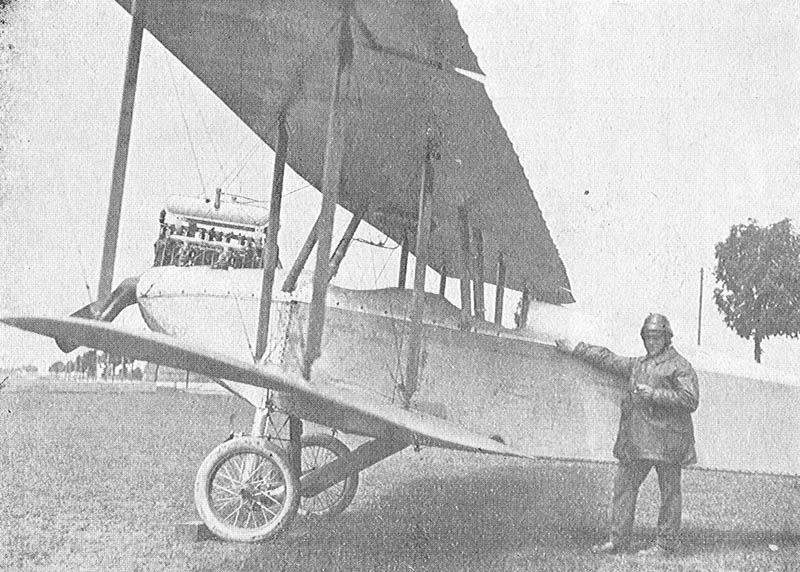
<point>329,401</point>
<point>265,59</point>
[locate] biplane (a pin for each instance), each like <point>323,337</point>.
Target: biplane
<point>375,103</point>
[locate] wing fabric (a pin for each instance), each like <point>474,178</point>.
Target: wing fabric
<point>338,400</point>
<point>267,60</point>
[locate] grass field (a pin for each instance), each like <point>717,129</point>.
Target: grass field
<point>99,481</point>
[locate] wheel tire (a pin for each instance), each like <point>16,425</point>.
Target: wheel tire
<point>319,449</point>
<point>237,507</point>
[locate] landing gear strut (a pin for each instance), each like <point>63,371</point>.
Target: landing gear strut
<point>249,488</point>
<point>318,450</point>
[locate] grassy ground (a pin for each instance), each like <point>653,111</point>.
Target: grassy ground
<point>98,482</point>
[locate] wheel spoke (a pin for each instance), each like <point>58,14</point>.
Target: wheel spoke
<point>319,451</point>
<point>264,507</point>
<point>259,475</point>
<point>234,514</point>
<point>255,464</point>
<point>227,474</point>
<point>270,478</point>
<point>273,499</point>
<point>225,502</point>
<point>221,488</point>
<point>246,490</point>
<point>238,467</point>
<point>315,457</point>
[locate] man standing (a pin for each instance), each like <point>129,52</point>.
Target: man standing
<point>655,429</point>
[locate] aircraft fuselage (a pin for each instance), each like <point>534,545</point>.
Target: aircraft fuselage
<point>491,380</point>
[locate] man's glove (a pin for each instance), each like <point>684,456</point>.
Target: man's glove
<point>644,391</point>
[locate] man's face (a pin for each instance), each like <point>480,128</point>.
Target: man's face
<point>654,343</point>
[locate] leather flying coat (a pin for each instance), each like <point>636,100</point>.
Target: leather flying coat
<point>659,428</point>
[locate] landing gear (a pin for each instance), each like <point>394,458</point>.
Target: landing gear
<point>249,488</point>
<point>246,491</point>
<point>317,450</point>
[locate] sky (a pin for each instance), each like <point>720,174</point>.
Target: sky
<point>645,129</point>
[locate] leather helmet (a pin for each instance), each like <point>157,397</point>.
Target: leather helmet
<point>657,323</point>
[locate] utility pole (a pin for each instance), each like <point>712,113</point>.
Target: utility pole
<point>700,309</point>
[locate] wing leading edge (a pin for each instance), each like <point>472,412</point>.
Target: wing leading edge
<point>338,400</point>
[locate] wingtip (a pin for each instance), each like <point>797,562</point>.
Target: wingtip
<point>14,321</point>
<point>27,323</point>
<point>36,325</point>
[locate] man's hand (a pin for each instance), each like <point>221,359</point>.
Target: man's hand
<point>644,391</point>
<point>565,345</point>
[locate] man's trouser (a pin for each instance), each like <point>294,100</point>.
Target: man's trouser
<point>629,478</point>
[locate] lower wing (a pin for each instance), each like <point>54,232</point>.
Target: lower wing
<point>387,421</point>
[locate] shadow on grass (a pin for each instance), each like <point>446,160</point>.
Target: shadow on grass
<point>473,520</point>
<point>486,517</point>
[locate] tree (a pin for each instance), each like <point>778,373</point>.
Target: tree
<point>56,367</point>
<point>758,269</point>
<point>113,360</point>
<point>90,360</point>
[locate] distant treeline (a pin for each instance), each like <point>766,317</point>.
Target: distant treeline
<point>95,364</point>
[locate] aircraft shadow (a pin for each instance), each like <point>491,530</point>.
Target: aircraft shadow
<point>509,506</point>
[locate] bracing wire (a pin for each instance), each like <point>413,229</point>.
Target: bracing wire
<point>297,190</point>
<point>381,244</point>
<point>205,127</point>
<point>372,264</point>
<point>239,147</point>
<point>231,174</point>
<point>383,268</point>
<point>293,191</point>
<point>185,123</point>
<point>244,327</point>
<point>83,273</point>
<point>245,199</point>
<point>231,177</point>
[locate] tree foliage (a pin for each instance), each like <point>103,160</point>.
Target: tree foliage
<point>57,367</point>
<point>758,269</point>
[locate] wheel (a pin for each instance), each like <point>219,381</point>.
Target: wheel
<point>246,491</point>
<point>319,449</point>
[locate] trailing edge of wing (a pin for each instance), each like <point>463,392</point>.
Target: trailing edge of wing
<point>413,427</point>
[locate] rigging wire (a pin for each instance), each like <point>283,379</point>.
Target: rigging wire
<point>293,191</point>
<point>244,327</point>
<point>245,200</point>
<point>315,50</point>
<point>260,201</point>
<point>238,113</point>
<point>186,124</point>
<point>383,268</point>
<point>239,147</point>
<point>231,178</point>
<point>83,273</point>
<point>381,244</point>
<point>205,127</point>
<point>263,202</point>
